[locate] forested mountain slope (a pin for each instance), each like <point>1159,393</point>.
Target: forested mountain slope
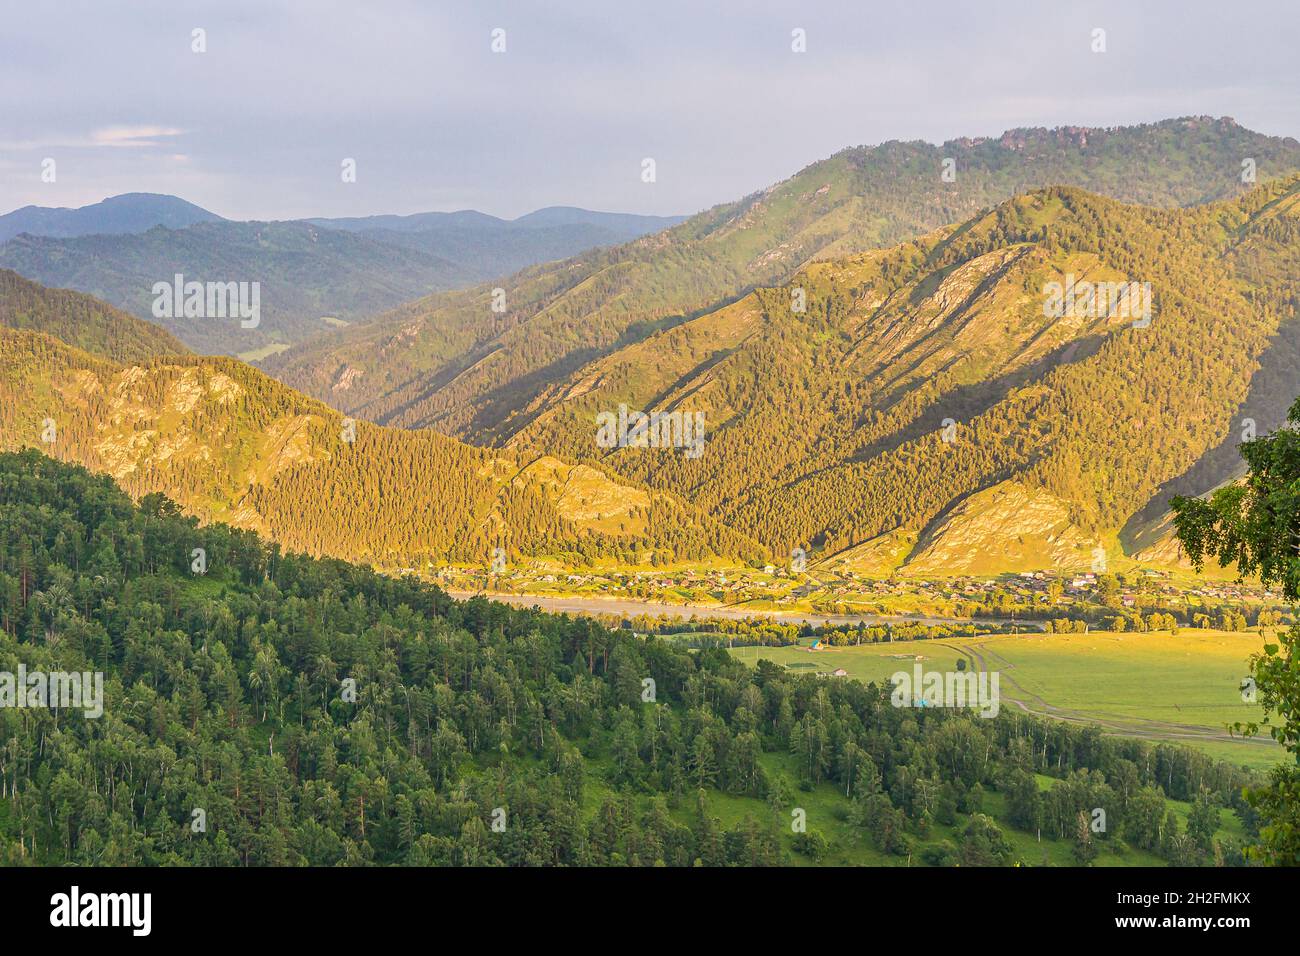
<point>925,394</point>
<point>451,362</point>
<point>228,443</point>
<point>278,710</point>
<point>81,320</point>
<point>921,375</point>
<point>304,272</point>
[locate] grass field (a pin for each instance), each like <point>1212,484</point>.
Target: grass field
<point>266,351</point>
<point>1182,688</point>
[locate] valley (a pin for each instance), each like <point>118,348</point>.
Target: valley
<point>848,596</point>
<point>632,610</point>
<point>630,520</point>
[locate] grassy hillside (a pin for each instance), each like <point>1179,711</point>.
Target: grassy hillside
<point>451,362</point>
<point>1182,688</point>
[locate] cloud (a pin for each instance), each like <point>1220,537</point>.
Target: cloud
<point>128,137</point>
<point>132,137</point>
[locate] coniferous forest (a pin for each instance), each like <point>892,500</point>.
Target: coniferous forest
<point>277,709</point>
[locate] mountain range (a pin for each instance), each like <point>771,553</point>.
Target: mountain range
<point>924,405</point>
<point>313,274</point>
<point>452,362</point>
<point>931,394</point>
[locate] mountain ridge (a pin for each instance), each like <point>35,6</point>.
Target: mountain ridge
<point>311,273</point>
<point>230,444</point>
<point>450,361</point>
<point>304,272</point>
<point>830,428</point>
<point>81,321</point>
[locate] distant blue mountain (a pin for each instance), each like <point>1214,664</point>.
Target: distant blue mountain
<point>118,215</point>
<point>617,221</point>
<point>416,222</point>
<point>486,247</point>
<point>341,269</point>
<point>627,225</point>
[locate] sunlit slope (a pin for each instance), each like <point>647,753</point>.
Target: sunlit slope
<point>228,443</point>
<point>81,320</point>
<point>454,362</point>
<point>931,390</point>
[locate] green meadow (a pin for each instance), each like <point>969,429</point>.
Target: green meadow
<point>1183,688</point>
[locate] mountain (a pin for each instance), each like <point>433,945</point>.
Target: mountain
<point>451,362</point>
<point>485,247</point>
<point>314,275</point>
<point>128,213</point>
<point>932,404</point>
<point>230,444</point>
<point>629,225</point>
<point>309,277</point>
<point>927,408</point>
<point>81,320</point>
<point>415,222</point>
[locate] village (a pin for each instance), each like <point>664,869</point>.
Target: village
<point>768,589</point>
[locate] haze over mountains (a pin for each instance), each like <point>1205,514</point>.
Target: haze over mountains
<point>313,274</point>
<point>304,272</point>
<point>485,247</point>
<point>923,412</point>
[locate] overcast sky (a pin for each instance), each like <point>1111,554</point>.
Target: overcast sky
<point>257,126</point>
